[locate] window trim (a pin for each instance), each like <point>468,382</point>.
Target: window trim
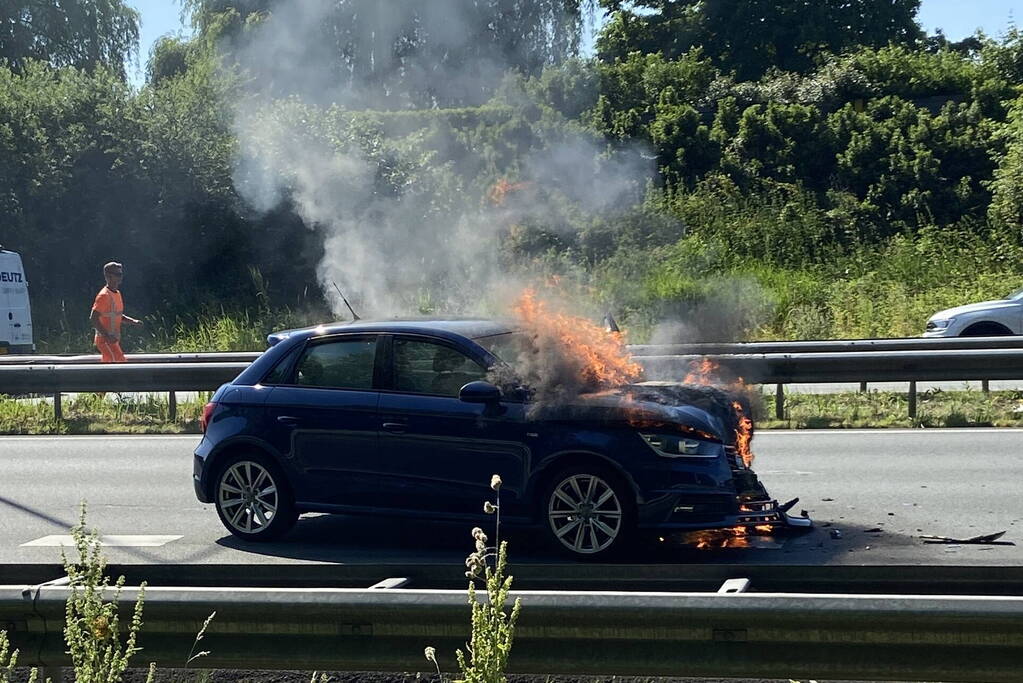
<point>299,353</point>
<point>389,373</point>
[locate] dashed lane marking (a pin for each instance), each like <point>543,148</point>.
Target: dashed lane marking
<point>113,541</point>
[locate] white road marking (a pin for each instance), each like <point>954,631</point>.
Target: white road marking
<point>113,541</point>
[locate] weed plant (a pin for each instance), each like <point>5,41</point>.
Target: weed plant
<point>9,660</point>
<point>485,658</point>
<point>92,629</point>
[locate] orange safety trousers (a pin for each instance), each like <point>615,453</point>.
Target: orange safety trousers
<point>110,352</point>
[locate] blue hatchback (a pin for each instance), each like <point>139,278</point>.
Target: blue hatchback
<point>398,418</point>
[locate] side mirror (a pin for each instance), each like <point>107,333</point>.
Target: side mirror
<point>479,392</point>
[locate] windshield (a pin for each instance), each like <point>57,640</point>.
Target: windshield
<point>507,346</point>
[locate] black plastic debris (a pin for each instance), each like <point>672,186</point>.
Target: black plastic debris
<point>984,539</point>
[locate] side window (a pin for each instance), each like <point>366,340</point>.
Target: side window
<point>346,364</point>
<point>424,367</point>
<point>281,372</point>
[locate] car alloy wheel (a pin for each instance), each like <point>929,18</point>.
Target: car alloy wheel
<point>253,500</point>
<point>585,514</point>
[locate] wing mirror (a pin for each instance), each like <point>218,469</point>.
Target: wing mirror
<point>479,392</point>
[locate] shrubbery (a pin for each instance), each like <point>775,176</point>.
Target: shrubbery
<point>884,173</point>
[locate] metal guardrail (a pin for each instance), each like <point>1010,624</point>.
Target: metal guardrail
<point>101,377</point>
<point>767,368</point>
<point>776,635</point>
<point>830,346</point>
<point>216,357</point>
<point>703,349</point>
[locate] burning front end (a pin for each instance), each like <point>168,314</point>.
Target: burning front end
<point>691,464</point>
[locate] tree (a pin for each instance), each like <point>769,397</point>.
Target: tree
<point>79,33</point>
<point>398,53</point>
<point>751,36</point>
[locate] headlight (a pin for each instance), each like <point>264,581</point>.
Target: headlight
<point>936,325</point>
<point>675,446</point>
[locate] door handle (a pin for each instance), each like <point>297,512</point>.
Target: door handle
<point>395,427</point>
<point>288,420</point>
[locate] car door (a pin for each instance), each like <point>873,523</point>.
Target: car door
<point>324,415</point>
<point>439,450</point>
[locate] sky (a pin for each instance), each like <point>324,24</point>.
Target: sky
<point>957,18</point>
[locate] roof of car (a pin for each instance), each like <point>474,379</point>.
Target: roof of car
<point>466,327</point>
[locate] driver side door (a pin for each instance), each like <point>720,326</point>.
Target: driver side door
<point>441,450</point>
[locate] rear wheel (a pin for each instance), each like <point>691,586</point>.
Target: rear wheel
<point>588,512</point>
<point>253,498</point>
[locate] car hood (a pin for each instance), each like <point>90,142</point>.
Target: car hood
<point>703,411</point>
<point>998,304</point>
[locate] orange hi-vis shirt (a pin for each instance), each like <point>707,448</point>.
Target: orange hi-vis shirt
<point>110,307</point>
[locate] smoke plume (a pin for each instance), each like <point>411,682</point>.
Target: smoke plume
<point>409,215</point>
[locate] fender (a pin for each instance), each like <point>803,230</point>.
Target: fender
<point>545,465</point>
<point>237,443</point>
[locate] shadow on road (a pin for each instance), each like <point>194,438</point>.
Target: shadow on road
<point>349,539</point>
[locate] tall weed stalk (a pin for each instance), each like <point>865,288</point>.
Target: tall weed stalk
<point>485,658</point>
<point>92,629</point>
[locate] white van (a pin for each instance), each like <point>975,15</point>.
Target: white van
<point>15,312</point>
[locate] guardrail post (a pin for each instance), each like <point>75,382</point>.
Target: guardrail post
<point>58,409</point>
<point>172,406</point>
<point>863,387</point>
<point>52,674</point>
<point>779,402</point>
<point>912,399</point>
<point>985,386</point>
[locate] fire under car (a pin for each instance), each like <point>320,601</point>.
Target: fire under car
<point>403,419</point>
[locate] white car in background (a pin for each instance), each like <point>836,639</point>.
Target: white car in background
<point>986,319</point>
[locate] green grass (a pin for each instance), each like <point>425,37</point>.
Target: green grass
<point>117,414</point>
<point>211,330</point>
<point>881,409</point>
<point>101,414</point>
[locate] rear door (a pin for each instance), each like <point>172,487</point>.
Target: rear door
<point>440,451</point>
<point>322,412</point>
<point>15,313</point>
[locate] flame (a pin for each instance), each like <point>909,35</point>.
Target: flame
<point>705,372</point>
<point>701,372</point>
<point>499,191</point>
<point>743,434</point>
<point>604,360</point>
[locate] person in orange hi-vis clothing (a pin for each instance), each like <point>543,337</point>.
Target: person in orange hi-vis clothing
<point>108,314</point>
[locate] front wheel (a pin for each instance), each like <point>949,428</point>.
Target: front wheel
<point>588,513</point>
<point>253,499</point>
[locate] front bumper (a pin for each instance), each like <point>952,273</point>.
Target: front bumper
<point>688,515</point>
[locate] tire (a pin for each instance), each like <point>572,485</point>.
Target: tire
<point>254,516</point>
<point>588,512</point>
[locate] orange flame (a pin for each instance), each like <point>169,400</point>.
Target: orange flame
<point>499,191</point>
<point>743,434</point>
<point>705,372</point>
<point>605,361</point>
<point>701,372</point>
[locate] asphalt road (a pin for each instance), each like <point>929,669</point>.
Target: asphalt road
<point>880,489</point>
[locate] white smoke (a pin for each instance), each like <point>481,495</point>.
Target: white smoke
<point>405,220</point>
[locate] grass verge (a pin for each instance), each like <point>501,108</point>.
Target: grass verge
<point>108,413</point>
<point>883,409</point>
<point>149,414</point>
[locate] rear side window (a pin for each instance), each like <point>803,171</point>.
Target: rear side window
<point>343,364</point>
<point>424,367</point>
